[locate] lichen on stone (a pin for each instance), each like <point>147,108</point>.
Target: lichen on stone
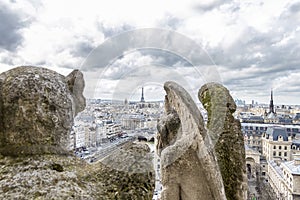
<point>227,138</point>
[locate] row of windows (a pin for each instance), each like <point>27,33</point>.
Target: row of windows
<point>279,153</point>
<point>279,147</point>
<point>252,133</point>
<point>253,137</point>
<point>287,176</point>
<point>254,142</point>
<point>293,130</point>
<point>294,147</point>
<point>254,128</point>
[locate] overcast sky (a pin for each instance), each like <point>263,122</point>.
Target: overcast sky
<point>121,46</point>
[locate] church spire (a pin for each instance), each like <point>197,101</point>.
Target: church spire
<point>142,98</point>
<point>271,103</point>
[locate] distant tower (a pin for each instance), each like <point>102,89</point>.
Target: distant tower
<point>271,109</point>
<point>142,98</point>
<point>126,104</point>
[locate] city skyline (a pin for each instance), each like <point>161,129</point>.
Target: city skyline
<point>252,47</point>
<point>136,97</point>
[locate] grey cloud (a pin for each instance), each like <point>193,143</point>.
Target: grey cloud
<point>204,7</point>
<point>147,75</point>
<point>36,3</point>
<point>274,57</point>
<point>240,53</point>
<point>119,72</point>
<point>10,24</point>
<point>170,21</point>
<point>41,63</point>
<point>295,7</point>
<point>235,8</point>
<point>259,85</point>
<point>84,46</point>
<point>289,18</point>
<point>7,60</point>
<point>290,89</point>
<point>165,57</point>
<point>113,31</point>
<point>82,49</point>
<point>124,66</point>
<point>254,82</point>
<point>240,77</point>
<point>278,60</point>
<point>158,39</point>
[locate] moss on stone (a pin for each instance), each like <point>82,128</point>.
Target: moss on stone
<point>227,138</point>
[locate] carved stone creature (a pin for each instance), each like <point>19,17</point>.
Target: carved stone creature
<point>227,138</point>
<point>189,167</point>
<point>37,107</point>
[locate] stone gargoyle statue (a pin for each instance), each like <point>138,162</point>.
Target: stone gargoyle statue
<point>198,161</point>
<point>37,108</point>
<point>227,138</point>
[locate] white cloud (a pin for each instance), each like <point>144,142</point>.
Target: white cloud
<point>126,65</point>
<point>255,43</point>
